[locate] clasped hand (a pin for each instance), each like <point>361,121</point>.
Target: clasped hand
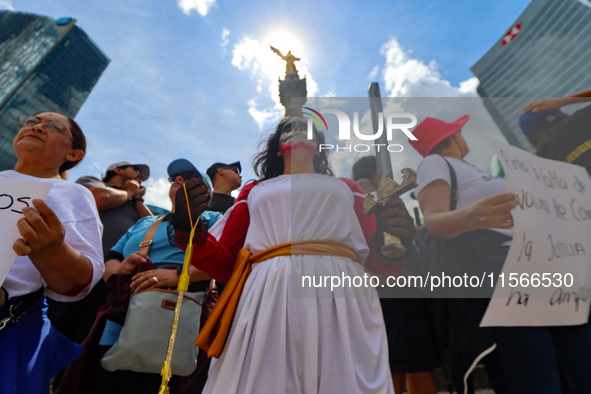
<point>394,219</point>
<point>198,195</point>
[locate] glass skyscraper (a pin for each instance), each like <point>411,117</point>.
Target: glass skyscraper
<point>545,53</point>
<point>45,65</point>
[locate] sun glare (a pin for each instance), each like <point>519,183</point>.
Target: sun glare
<point>273,65</point>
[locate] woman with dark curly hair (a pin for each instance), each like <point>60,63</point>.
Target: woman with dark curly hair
<point>296,225</point>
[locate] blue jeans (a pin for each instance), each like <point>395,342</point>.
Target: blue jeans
<point>532,357</point>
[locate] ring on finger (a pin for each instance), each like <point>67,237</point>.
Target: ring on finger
<point>155,279</point>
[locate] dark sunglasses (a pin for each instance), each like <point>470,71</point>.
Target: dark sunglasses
<point>137,170</point>
<point>234,168</point>
<point>186,175</point>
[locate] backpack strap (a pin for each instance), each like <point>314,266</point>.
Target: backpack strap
<point>454,186</point>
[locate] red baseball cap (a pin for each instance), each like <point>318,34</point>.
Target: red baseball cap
<point>432,131</point>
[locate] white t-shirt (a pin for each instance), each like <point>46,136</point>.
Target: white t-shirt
<point>473,184</point>
<point>76,208</point>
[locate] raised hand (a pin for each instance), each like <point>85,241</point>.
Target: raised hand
<point>131,186</point>
<point>41,230</point>
<point>494,211</point>
<point>394,219</point>
<point>198,195</point>
<point>141,191</point>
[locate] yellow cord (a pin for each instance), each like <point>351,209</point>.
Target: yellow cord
<point>183,286</point>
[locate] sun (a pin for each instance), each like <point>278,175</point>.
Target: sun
<point>283,40</point>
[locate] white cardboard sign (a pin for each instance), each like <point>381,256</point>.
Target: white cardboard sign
<point>15,194</point>
<point>546,279</point>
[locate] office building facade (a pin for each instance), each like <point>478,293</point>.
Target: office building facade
<point>545,53</point>
<point>45,65</point>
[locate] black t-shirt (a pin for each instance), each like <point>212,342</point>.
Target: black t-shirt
<point>116,221</point>
<point>569,139</point>
<point>221,202</point>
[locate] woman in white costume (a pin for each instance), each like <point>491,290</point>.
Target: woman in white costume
<point>290,332</point>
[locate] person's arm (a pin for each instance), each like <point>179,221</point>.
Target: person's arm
<point>217,257</point>
<point>489,212</point>
<point>64,269</point>
<point>138,203</point>
<point>165,278</point>
<point>555,103</point>
<point>109,197</point>
<point>115,256</point>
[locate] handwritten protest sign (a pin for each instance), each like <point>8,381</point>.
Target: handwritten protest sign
<point>15,194</point>
<point>546,279</point>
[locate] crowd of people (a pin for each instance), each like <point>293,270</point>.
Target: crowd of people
<point>94,244</point>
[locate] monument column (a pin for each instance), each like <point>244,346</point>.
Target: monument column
<point>292,89</point>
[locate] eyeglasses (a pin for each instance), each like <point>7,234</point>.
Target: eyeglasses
<point>233,168</point>
<point>186,175</point>
<point>139,175</point>
<point>52,125</point>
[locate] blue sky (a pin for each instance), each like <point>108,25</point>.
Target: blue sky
<point>195,78</point>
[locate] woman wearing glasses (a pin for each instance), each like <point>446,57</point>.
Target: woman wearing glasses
<point>58,254</point>
<point>289,334</point>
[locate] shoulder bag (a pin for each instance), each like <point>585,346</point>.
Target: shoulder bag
<point>471,253</point>
<point>430,248</point>
<point>143,341</point>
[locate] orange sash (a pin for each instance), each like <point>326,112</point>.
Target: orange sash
<point>212,336</point>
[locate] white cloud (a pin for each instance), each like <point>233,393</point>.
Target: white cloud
<point>201,6</point>
<point>412,85</point>
<point>469,85</point>
<point>374,73</point>
<point>6,5</point>
<point>265,67</point>
<point>408,77</point>
<point>265,116</point>
<point>157,192</point>
<point>225,34</point>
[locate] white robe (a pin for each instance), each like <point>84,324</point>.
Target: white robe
<point>282,341</point>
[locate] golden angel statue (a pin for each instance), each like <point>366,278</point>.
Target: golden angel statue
<point>290,60</point>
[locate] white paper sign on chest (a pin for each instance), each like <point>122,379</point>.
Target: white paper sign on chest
<point>15,194</point>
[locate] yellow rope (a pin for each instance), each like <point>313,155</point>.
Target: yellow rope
<point>183,286</point>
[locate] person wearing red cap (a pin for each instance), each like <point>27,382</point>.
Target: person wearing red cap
<point>518,359</point>
<point>481,202</point>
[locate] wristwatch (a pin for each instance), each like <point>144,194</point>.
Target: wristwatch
<point>134,199</point>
